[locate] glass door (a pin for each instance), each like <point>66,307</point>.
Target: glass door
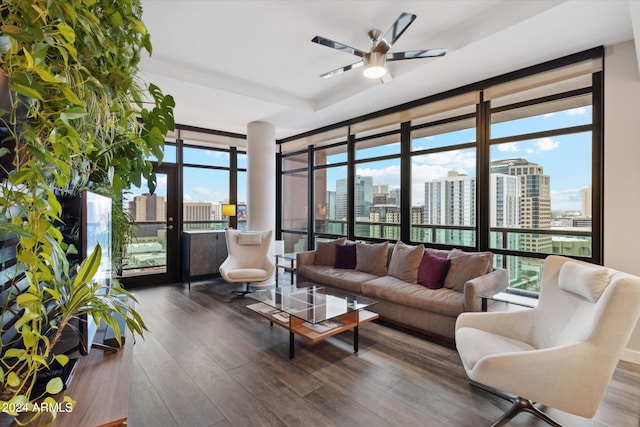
<point>151,256</point>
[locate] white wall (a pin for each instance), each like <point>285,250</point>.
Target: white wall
<point>622,166</point>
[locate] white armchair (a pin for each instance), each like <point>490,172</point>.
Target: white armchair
<point>248,261</point>
<point>563,352</point>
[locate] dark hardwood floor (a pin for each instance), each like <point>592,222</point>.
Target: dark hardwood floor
<point>208,362</point>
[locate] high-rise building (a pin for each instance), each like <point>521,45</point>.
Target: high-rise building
<point>331,205</point>
<point>535,201</point>
<point>381,190</point>
<point>505,212</point>
<point>394,196</point>
<point>363,196</point>
<point>451,201</point>
<point>342,204</point>
<point>388,214</point>
<point>363,193</point>
<point>197,211</point>
<point>417,217</point>
<point>148,208</point>
<point>587,211</point>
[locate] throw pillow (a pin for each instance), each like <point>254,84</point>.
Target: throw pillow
<point>443,253</point>
<point>433,270</point>
<point>326,251</point>
<point>346,256</point>
<point>455,253</point>
<point>466,266</point>
<point>405,261</point>
<point>249,239</point>
<point>583,280</point>
<point>372,258</point>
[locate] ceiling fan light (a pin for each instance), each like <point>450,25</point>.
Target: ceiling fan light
<point>374,71</point>
<point>374,65</point>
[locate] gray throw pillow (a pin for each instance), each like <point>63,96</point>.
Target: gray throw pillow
<point>405,261</point>
<point>466,266</point>
<point>326,251</point>
<point>372,258</point>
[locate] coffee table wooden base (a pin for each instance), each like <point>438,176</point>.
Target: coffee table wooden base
<point>296,326</point>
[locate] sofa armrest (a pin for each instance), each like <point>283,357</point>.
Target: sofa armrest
<point>488,284</point>
<point>305,258</point>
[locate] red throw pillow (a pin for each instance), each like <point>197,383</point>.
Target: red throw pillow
<point>433,270</point>
<point>346,256</point>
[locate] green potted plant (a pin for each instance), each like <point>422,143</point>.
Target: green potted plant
<point>74,117</point>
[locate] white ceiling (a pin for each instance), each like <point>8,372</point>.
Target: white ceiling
<point>228,63</point>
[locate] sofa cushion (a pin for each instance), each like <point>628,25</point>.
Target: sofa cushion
<point>433,270</point>
<point>584,280</point>
<point>466,266</point>
<point>405,261</point>
<point>348,280</point>
<point>372,258</point>
<point>346,256</point>
<point>443,301</point>
<point>439,252</point>
<point>326,251</point>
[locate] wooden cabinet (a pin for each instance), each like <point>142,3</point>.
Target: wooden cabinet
<point>202,254</point>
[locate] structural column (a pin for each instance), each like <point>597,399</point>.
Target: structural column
<point>261,176</point>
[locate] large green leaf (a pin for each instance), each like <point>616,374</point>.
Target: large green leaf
<point>88,268</point>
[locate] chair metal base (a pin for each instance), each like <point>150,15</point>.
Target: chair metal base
<point>518,404</point>
<point>241,293</point>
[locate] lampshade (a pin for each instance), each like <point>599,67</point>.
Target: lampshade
<point>374,65</point>
<point>228,210</point>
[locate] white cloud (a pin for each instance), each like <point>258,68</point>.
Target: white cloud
<point>510,147</point>
<point>546,144</point>
<point>203,191</point>
<point>569,199</point>
<point>187,197</point>
<point>388,175</point>
<point>549,115</point>
<point>580,111</point>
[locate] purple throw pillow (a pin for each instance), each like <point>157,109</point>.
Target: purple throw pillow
<point>433,270</point>
<point>346,256</point>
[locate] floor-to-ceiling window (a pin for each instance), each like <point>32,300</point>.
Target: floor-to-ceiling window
<point>376,185</point>
<point>512,164</point>
<point>542,153</point>
<point>295,200</point>
<point>443,176</point>
<point>201,170</point>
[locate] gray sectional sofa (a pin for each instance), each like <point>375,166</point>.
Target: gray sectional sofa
<point>406,280</point>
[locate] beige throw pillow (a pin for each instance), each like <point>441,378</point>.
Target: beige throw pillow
<point>250,239</point>
<point>326,251</point>
<point>466,266</point>
<point>405,261</point>
<point>583,280</point>
<point>372,258</point>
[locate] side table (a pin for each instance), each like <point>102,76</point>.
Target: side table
<point>509,298</point>
<point>287,262</point>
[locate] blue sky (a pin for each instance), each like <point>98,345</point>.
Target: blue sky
<point>567,159</point>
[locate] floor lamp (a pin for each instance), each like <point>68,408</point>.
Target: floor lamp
<point>229,210</point>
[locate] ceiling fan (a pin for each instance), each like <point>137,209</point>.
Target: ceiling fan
<point>375,60</point>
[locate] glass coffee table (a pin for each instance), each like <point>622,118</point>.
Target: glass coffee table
<point>313,312</point>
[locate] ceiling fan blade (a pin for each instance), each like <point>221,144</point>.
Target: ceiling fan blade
<point>338,46</point>
<point>341,70</point>
<point>394,33</point>
<point>414,54</point>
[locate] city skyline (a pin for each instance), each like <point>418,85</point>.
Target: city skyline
<point>210,185</point>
